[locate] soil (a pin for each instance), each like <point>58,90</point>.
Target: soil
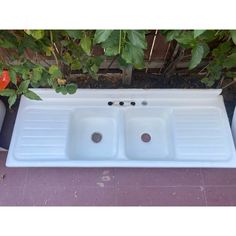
<point>139,80</point>
<point>146,80</point>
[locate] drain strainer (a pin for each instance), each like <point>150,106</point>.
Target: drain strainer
<point>96,137</point>
<point>146,138</point>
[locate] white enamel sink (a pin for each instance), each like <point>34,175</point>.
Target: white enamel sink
<point>123,128</point>
<point>87,123</point>
<point>154,124</point>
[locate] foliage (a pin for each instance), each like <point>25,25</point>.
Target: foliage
<point>219,46</point>
<point>46,58</point>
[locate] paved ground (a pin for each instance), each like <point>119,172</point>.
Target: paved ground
<point>116,186</point>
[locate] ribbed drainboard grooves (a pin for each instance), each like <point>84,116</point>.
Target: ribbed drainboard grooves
<point>43,135</point>
<point>199,135</point>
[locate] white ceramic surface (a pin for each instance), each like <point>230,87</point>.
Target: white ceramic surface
<point>183,128</point>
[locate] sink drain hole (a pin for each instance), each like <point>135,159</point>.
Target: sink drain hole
<point>146,138</point>
<point>96,137</point>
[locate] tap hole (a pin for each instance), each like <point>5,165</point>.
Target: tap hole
<point>110,103</point>
<point>144,103</point>
<point>121,103</point>
<point>133,103</point>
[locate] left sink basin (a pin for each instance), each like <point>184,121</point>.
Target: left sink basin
<point>93,134</point>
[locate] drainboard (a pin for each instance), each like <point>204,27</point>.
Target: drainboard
<point>123,128</point>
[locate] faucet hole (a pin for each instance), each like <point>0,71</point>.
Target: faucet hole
<point>121,103</point>
<point>132,103</point>
<point>110,103</point>
<point>144,103</point>
<point>146,138</point>
<point>96,137</point>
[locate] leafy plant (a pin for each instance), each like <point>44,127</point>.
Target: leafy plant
<point>46,58</point>
<point>218,46</point>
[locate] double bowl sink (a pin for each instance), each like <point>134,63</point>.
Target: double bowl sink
<point>123,128</point>
<point>116,133</point>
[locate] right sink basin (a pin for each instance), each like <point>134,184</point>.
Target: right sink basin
<point>148,134</point>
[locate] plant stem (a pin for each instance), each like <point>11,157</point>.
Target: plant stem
<point>152,47</point>
<point>229,84</point>
<point>221,81</point>
<point>53,52</point>
<point>120,41</point>
<point>55,57</point>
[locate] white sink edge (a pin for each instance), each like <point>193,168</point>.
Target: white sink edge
<point>123,164</point>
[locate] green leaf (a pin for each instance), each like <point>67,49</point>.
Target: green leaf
<point>97,60</point>
<point>6,44</point>
<point>37,34</point>
<point>233,35</point>
<point>111,45</point>
<point>37,74</point>
<point>67,58</point>
<point>9,39</point>
<point>137,38</point>
<point>197,55</point>
<point>12,74</point>
<point>101,36</point>
<point>76,65</point>
<point>208,36</point>
<point>230,61</point>
<point>24,70</point>
<point>206,49</point>
<point>76,34</point>
<point>12,100</point>
<point>214,70</point>
<point>54,71</point>
<point>94,68</point>
<point>86,44</point>
<point>222,50</point>
<point>71,88</point>
<point>172,34</point>
<point>47,50</point>
<point>61,89</point>
<point>133,55</point>
<point>31,95</point>
<point>186,39</point>
<point>27,42</point>
<point>7,92</point>
<point>208,82</point>
<point>122,62</point>
<point>23,86</point>
<point>197,33</point>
